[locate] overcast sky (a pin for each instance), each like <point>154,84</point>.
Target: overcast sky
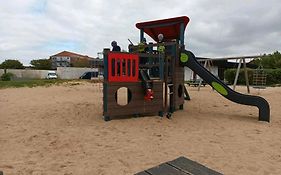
<point>33,29</point>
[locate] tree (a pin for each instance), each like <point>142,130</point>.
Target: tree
<point>41,64</point>
<point>11,64</point>
<point>270,61</point>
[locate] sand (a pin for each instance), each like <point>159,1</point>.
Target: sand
<point>60,130</point>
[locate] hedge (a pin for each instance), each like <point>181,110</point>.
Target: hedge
<point>6,76</point>
<point>273,76</point>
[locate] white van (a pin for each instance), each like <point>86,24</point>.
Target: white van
<point>52,75</point>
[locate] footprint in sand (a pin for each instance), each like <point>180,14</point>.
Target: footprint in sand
<point>6,167</point>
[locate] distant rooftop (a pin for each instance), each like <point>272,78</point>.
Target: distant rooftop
<point>70,54</point>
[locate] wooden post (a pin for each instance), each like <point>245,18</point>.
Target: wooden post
<point>237,74</point>
<point>166,84</point>
<point>141,35</point>
<point>182,36</point>
<point>246,76</point>
<point>187,97</point>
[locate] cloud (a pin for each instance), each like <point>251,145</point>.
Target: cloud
<point>33,29</point>
<point>39,7</point>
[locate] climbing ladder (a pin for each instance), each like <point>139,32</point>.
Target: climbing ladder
<point>259,78</point>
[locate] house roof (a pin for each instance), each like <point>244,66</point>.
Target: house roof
<point>71,54</point>
<point>170,27</point>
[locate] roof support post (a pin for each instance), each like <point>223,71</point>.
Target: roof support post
<point>141,35</point>
<point>182,35</point>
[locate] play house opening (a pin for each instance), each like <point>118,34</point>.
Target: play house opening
<point>123,96</point>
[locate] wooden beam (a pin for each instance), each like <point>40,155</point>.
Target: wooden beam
<point>227,58</point>
<point>237,74</point>
<point>246,76</point>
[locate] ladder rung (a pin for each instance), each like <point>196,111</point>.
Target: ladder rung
<point>170,93</point>
<point>170,84</point>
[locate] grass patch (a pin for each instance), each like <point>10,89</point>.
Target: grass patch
<point>31,83</point>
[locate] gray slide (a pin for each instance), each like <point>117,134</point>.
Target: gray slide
<point>188,59</point>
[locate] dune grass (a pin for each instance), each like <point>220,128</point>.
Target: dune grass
<point>31,83</point>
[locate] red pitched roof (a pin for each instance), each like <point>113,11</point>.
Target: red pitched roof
<point>170,28</point>
<point>70,54</point>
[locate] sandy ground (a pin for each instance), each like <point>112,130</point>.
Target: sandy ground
<point>60,130</point>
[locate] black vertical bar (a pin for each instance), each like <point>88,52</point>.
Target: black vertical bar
<point>141,35</point>
<point>182,35</point>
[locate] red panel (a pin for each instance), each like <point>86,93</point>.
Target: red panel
<point>119,61</point>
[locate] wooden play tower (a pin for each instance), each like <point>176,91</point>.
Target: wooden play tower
<point>146,67</point>
<point>153,74</point>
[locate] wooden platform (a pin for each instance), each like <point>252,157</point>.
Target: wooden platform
<point>179,166</point>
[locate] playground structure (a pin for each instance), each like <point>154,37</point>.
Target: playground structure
<point>153,74</point>
<point>259,78</point>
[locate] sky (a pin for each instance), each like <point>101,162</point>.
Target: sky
<point>35,29</point>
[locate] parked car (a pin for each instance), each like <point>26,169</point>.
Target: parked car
<point>89,75</point>
<point>52,75</point>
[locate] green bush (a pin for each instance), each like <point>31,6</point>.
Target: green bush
<point>229,75</point>
<point>7,76</point>
<point>269,61</point>
<point>273,76</point>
